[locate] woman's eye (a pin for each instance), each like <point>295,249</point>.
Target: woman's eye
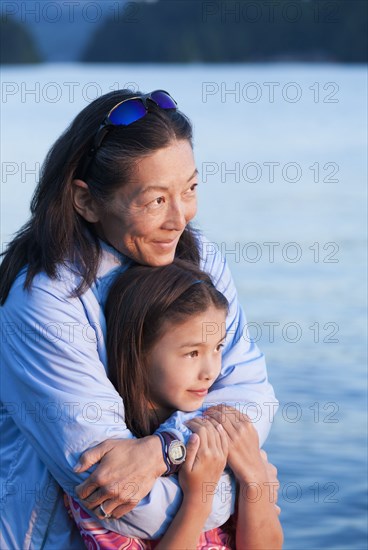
<point>192,188</point>
<point>220,346</point>
<point>159,201</point>
<point>193,353</point>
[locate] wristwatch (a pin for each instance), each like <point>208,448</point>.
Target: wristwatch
<point>173,450</point>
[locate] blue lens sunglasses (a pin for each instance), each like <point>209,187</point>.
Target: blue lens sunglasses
<point>125,113</point>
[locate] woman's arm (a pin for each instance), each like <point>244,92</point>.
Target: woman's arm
<point>206,458</point>
<point>55,389</point>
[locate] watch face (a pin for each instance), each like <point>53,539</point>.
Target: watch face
<point>177,452</point>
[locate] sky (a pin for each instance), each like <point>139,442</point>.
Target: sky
<point>62,28</point>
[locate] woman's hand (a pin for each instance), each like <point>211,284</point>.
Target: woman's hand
<point>244,456</point>
<point>206,459</point>
<point>126,473</point>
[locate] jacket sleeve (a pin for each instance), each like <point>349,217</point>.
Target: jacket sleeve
<point>55,387</point>
<point>243,382</point>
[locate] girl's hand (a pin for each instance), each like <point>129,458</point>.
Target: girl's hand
<point>244,457</point>
<point>206,459</point>
<point>258,526</point>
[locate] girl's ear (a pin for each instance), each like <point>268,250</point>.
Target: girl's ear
<point>83,201</point>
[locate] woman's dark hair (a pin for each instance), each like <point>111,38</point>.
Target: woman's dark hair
<point>140,302</point>
<point>56,233</point>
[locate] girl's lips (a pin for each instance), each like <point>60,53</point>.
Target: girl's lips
<point>200,393</point>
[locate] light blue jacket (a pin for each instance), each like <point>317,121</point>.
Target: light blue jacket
<point>56,402</point>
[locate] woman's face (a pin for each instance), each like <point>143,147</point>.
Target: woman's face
<point>146,217</point>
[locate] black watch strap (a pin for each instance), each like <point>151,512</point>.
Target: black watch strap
<point>169,442</point>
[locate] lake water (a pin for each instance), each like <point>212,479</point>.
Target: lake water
<point>281,150</point>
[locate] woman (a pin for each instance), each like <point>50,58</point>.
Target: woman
<point>118,187</point>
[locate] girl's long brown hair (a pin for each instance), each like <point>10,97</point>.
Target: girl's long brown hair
<point>140,302</point>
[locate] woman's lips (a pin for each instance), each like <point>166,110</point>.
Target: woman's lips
<point>165,245</point>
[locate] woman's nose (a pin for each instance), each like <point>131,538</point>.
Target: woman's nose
<point>175,218</point>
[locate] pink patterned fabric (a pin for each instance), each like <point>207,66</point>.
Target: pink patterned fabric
<point>96,537</point>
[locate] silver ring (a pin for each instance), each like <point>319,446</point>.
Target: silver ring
<point>103,513</point>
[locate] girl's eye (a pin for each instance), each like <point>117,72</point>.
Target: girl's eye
<point>193,353</point>
<point>220,346</point>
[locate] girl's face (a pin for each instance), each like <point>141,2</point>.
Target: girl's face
<point>146,217</point>
<point>185,362</point>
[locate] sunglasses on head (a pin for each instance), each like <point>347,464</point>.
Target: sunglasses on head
<point>125,113</point>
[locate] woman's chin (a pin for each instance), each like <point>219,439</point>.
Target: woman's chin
<point>156,260</point>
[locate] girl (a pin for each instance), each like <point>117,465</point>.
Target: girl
<point>165,333</point>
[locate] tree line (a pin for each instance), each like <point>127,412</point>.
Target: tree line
<point>184,31</point>
<point>233,31</point>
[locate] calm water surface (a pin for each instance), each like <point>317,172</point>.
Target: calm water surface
<point>283,196</point>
